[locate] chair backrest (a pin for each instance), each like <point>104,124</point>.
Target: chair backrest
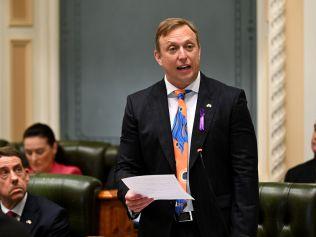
<point>3,142</point>
<point>94,158</point>
<point>76,193</point>
<point>287,209</point>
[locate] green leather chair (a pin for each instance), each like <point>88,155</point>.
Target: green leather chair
<point>94,158</point>
<point>76,193</point>
<point>3,142</point>
<point>287,209</point>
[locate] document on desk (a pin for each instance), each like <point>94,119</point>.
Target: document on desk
<point>159,187</point>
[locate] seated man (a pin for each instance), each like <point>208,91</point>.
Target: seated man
<point>306,172</point>
<point>40,216</point>
<point>12,228</point>
<point>40,149</point>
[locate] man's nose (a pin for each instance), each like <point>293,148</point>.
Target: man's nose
<point>33,156</point>
<point>13,175</point>
<point>182,53</point>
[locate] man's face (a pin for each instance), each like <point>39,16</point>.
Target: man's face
<point>314,142</point>
<point>179,56</point>
<point>39,154</point>
<point>13,181</point>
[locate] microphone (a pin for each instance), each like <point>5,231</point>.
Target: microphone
<point>200,152</point>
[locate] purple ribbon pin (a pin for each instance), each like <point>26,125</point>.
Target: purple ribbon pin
<point>202,114</point>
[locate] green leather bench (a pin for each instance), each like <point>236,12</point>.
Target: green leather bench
<point>287,209</point>
<point>77,194</point>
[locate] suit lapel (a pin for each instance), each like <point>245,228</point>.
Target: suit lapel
<point>30,214</point>
<point>162,122</point>
<point>207,101</point>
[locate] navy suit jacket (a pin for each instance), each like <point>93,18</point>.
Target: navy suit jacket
<point>226,191</point>
<point>9,227</point>
<point>44,218</point>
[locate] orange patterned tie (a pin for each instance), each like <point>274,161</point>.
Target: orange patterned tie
<point>180,145</point>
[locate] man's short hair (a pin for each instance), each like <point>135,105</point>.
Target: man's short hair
<point>40,130</point>
<point>10,151</point>
<point>169,24</point>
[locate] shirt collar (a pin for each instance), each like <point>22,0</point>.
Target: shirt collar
<point>18,209</point>
<point>194,86</point>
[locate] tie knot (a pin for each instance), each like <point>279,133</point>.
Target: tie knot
<point>11,214</point>
<point>180,93</point>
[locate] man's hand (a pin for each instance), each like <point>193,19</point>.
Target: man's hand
<point>136,202</point>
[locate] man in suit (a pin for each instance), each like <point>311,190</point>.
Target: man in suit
<point>305,172</point>
<point>40,216</point>
<point>217,137</point>
<point>11,228</point>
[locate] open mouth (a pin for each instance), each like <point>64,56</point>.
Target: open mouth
<point>183,67</point>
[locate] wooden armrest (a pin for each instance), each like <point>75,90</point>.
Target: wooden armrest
<point>114,221</point>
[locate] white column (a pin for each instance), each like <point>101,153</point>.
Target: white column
<point>276,95</point>
<point>46,64</point>
<point>271,89</point>
<point>262,89</point>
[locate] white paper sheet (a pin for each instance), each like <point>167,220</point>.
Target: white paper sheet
<point>159,187</point>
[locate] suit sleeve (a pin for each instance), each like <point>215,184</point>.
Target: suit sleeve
<point>245,170</point>
<point>288,177</point>
<point>129,161</point>
<point>300,174</point>
<point>60,226</point>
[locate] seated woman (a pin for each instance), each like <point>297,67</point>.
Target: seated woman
<point>40,149</point>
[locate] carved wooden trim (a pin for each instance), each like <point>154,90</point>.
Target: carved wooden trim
<point>21,86</point>
<point>21,12</point>
<point>277,76</point>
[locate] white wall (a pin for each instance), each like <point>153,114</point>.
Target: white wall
<point>262,91</point>
<point>310,73</point>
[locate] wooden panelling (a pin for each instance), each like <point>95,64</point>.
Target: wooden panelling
<point>21,86</point>
<point>113,218</point>
<point>294,70</point>
<point>21,12</point>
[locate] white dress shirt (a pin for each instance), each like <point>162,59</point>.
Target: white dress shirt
<point>190,101</point>
<point>18,209</point>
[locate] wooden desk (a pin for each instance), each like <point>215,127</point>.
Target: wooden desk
<point>113,218</point>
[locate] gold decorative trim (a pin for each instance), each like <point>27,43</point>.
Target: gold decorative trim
<point>108,194</point>
<point>21,12</point>
<point>21,86</point>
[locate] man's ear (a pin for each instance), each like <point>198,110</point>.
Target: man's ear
<point>157,57</point>
<point>27,175</point>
